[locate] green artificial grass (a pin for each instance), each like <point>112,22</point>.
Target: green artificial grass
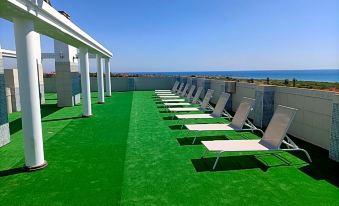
<point>131,152</point>
<point>85,156</point>
<point>161,168</point>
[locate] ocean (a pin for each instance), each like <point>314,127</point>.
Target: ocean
<point>324,75</point>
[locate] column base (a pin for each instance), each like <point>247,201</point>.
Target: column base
<point>35,168</point>
<point>101,102</point>
<point>86,116</point>
<point>108,95</point>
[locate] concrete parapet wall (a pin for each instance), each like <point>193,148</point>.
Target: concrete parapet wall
<point>312,122</point>
<point>218,86</point>
<point>243,90</point>
<point>150,83</point>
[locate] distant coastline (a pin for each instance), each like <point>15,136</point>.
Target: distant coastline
<point>323,75</point>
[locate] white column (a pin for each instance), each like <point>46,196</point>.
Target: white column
<point>85,82</point>
<point>31,120</point>
<point>108,77</point>
<point>100,77</point>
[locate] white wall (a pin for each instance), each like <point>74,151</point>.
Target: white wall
<point>218,86</point>
<point>313,119</point>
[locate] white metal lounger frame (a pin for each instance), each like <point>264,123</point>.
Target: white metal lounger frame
<point>272,144</point>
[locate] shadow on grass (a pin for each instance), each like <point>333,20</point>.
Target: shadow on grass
<point>63,119</point>
<point>51,98</point>
<point>165,112</point>
<point>185,141</point>
<point>46,110</point>
<point>170,118</point>
<point>13,171</point>
<point>322,167</point>
<point>177,127</point>
<point>229,163</point>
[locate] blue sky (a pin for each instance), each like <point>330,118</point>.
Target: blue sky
<point>196,35</point>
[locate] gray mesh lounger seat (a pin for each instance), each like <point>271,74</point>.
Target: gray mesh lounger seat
<point>274,136</point>
<point>239,120</point>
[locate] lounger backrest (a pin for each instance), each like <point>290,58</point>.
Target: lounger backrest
<point>175,86</point>
<point>183,93</point>
<point>207,99</point>
<point>190,93</point>
<point>278,126</point>
<point>242,112</point>
<point>220,106</point>
<point>180,88</point>
<point>197,95</point>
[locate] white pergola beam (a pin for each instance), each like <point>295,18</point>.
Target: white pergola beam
<point>12,54</point>
<point>50,22</point>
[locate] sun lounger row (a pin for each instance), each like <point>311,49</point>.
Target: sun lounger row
<point>272,139</point>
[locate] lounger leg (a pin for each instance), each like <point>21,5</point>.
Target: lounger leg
<point>195,137</point>
<point>216,161</point>
<point>306,153</point>
<point>182,123</point>
<point>203,154</point>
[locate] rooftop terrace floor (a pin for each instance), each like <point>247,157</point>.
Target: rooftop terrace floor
<point>130,153</point>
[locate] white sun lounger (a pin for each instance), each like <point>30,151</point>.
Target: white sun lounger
<point>174,88</point>
<point>188,98</point>
<point>218,111</point>
<point>173,92</point>
<point>204,105</point>
<point>173,100</point>
<point>274,136</point>
<point>170,97</point>
<point>169,94</point>
<point>179,91</point>
<point>239,120</point>
<point>177,104</point>
<point>195,99</point>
